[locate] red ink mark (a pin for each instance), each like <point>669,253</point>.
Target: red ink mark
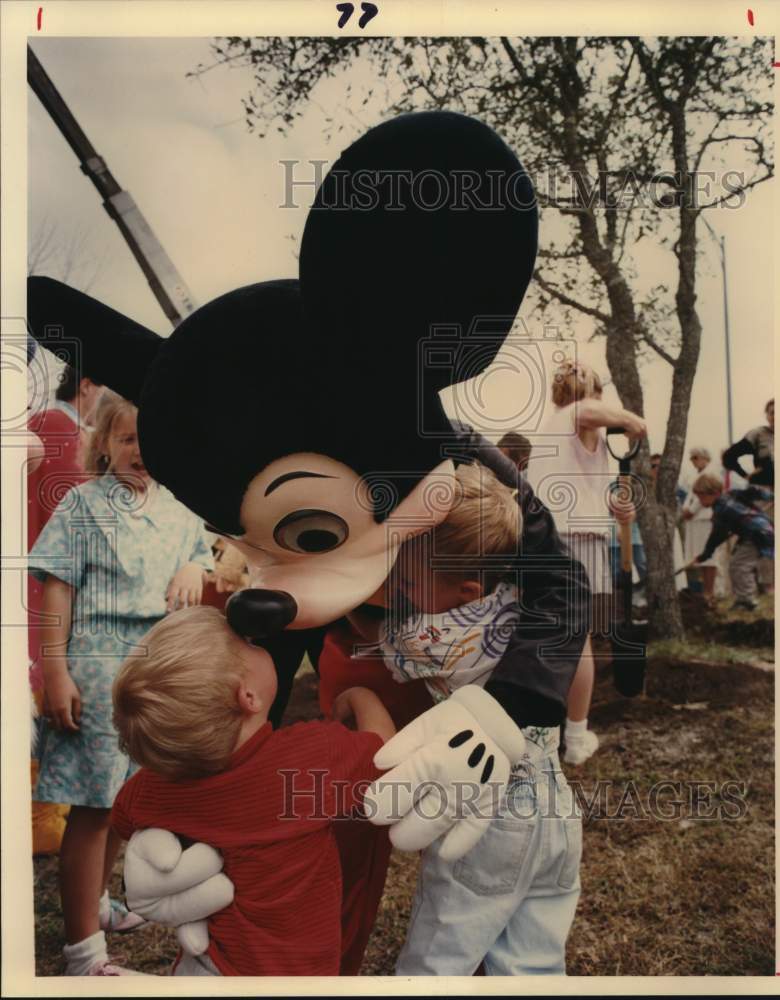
<point>750,18</point>
<point>40,16</point>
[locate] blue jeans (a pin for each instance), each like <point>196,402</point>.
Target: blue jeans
<point>510,900</point>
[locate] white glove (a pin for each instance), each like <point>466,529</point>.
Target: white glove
<point>448,749</point>
<point>171,886</point>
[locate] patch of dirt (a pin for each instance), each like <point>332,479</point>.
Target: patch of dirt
<point>721,624</point>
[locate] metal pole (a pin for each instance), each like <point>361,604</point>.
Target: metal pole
<point>167,285</point>
<point>722,246</point>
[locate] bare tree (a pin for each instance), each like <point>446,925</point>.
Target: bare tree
<point>627,138</point>
<point>65,257</point>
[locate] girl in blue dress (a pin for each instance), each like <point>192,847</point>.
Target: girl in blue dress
<point>118,553</point>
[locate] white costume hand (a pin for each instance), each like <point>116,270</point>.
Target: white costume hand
<point>448,750</point>
<point>171,886</point>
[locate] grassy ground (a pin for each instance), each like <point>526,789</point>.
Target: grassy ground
<point>685,895</point>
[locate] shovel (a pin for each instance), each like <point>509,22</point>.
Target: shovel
<point>629,639</point>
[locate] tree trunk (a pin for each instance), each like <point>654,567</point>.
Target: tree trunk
<point>657,524</point>
<point>656,519</point>
<point>621,332</point>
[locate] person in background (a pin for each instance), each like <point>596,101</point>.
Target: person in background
<point>698,521</point>
<point>61,430</point>
<point>57,435</point>
<point>116,555</point>
<point>737,512</point>
<point>731,480</point>
<point>575,470</point>
<point>516,447</point>
<point>760,444</point>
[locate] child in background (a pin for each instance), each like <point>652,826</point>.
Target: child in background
<point>737,512</point>
<point>117,553</point>
<point>192,708</point>
<point>570,474</point>
<point>61,430</point>
<point>516,447</point>
<point>510,900</point>
<point>698,522</point>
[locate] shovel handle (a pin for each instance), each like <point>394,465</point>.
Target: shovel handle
<point>623,459</point>
<point>626,549</point>
<point>624,528</point>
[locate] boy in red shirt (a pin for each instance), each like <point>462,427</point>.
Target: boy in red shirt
<point>191,706</point>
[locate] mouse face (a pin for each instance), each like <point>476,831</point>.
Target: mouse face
<point>311,536</point>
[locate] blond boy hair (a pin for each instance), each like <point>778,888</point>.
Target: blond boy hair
<point>485,520</point>
<point>176,696</point>
<point>707,483</point>
<point>573,381</point>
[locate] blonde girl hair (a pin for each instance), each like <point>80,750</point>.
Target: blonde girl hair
<point>175,697</point>
<point>573,381</point>
<point>700,453</point>
<point>109,408</point>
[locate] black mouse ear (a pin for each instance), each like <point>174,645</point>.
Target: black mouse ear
<point>426,225</point>
<point>99,342</point>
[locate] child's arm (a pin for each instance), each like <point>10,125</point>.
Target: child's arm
<point>718,536</point>
<point>593,413</point>
<point>732,455</point>
<point>186,587</point>
<point>63,699</point>
<point>369,712</point>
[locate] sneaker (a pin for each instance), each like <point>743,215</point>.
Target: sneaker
<point>119,919</point>
<point>105,967</point>
<point>745,605</point>
<point>578,749</point>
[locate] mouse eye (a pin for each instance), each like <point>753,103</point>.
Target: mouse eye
<point>311,531</point>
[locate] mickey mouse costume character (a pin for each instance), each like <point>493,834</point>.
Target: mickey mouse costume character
<point>415,258</point>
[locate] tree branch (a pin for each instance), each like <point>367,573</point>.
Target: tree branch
<point>647,339</point>
<point>513,59</point>
<point>736,191</point>
<point>568,301</point>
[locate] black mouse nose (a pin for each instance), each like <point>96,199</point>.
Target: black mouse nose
<point>259,614</point>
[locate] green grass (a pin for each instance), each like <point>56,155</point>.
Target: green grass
<point>712,652</point>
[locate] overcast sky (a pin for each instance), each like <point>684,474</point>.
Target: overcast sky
<point>211,192</point>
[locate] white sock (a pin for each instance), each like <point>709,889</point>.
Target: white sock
<point>576,730</point>
<point>80,957</point>
<point>105,906</point>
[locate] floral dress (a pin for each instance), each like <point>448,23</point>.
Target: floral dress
<point>118,551</point>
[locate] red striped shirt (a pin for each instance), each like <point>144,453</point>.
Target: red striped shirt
<point>271,814</point>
